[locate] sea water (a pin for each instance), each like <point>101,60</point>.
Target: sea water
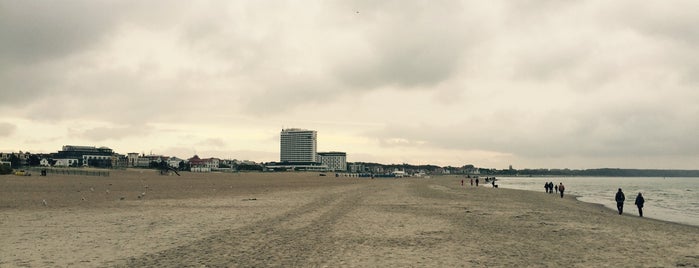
<point>668,199</point>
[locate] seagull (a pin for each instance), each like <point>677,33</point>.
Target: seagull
<point>44,202</point>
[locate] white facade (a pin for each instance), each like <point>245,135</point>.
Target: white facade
<point>336,161</point>
<point>65,162</point>
<point>298,145</point>
<point>213,163</point>
<point>174,162</point>
<point>132,159</point>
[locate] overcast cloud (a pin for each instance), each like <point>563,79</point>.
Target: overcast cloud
<point>533,84</point>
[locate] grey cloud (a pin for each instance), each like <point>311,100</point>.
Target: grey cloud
<point>7,129</point>
<point>37,30</point>
<point>611,131</point>
<point>287,95</point>
<point>99,134</point>
<point>45,42</point>
<point>213,142</point>
<point>408,44</point>
<point>675,20</point>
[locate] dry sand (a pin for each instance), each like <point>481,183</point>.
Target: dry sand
<point>305,220</point>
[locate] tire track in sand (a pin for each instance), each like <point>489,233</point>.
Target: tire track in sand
<point>270,242</point>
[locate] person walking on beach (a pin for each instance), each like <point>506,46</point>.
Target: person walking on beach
<point>556,187</point>
<point>619,198</point>
<point>561,188</point>
<point>547,186</point>
<point>462,183</point>
<point>476,182</point>
<point>639,203</point>
<point>471,181</point>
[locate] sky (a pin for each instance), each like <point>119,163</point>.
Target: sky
<point>532,84</point>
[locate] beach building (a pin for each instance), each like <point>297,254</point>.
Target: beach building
<point>297,151</point>
<point>66,162</point>
<point>336,161</point>
<point>174,162</point>
<point>132,159</point>
<point>203,164</point>
<point>147,160</point>
<point>298,146</point>
<point>22,158</point>
<point>86,155</point>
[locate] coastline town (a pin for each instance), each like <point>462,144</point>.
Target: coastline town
<point>298,152</point>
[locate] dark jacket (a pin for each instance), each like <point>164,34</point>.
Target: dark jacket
<point>619,197</point>
<point>640,201</point>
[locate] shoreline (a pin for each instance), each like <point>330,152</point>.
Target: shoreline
<point>664,203</point>
<point>301,219</point>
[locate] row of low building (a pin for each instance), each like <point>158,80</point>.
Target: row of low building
<point>103,157</point>
<point>297,152</point>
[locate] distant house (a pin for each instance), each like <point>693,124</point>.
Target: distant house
<point>199,165</point>
<point>174,162</point>
<point>66,162</point>
<point>146,160</point>
<point>132,159</point>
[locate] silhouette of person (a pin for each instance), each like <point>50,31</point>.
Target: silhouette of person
<point>551,187</point>
<point>639,203</point>
<point>476,182</point>
<point>561,188</point>
<point>556,187</point>
<point>619,198</point>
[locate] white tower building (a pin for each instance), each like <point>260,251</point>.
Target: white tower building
<point>298,145</point>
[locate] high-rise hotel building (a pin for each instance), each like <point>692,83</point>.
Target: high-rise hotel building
<point>298,146</point>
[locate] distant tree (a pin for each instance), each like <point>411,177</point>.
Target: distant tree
<point>5,169</point>
<point>153,164</point>
<point>223,166</point>
<point>163,165</point>
<point>181,165</point>
<point>14,161</point>
<point>249,167</point>
<point>34,160</point>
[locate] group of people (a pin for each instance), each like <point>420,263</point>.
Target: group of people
<point>477,181</point>
<point>620,198</point>
<point>550,187</point>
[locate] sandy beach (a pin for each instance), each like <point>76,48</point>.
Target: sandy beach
<point>137,218</point>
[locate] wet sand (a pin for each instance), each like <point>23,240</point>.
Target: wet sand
<point>306,220</point>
